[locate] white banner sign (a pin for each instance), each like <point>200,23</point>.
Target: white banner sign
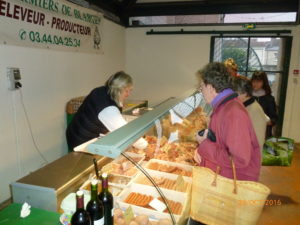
<point>54,24</point>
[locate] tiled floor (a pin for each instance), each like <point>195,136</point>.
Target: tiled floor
<point>284,183</point>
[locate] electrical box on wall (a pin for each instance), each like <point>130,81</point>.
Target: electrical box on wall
<point>14,78</point>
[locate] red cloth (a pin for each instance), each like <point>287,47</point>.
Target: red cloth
<point>235,133</point>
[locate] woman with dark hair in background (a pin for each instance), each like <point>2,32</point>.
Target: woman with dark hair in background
<point>262,94</point>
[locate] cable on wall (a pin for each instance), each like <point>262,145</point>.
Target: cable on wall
<point>17,135</point>
<point>30,128</point>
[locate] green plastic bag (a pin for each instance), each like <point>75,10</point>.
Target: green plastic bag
<point>278,152</point>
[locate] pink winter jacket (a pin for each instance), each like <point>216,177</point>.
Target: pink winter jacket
<point>235,134</point>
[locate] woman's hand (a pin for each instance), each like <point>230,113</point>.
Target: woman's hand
<point>201,138</point>
<point>197,157</point>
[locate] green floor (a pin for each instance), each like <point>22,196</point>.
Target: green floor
<point>11,216</point>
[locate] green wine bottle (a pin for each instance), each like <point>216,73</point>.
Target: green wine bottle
<point>94,206</point>
<point>81,216</point>
<point>107,200</point>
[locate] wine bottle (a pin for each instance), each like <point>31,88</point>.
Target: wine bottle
<point>94,206</point>
<point>81,216</point>
<point>107,200</point>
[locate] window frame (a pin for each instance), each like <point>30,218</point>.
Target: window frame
<point>284,72</point>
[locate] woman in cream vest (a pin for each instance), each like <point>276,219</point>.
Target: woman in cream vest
<point>242,85</point>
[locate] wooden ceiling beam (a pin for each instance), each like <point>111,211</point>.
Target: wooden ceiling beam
<point>194,8</point>
<point>105,5</point>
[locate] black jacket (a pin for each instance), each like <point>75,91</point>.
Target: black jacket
<point>85,125</point>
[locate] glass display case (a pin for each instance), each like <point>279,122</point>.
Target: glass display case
<point>162,172</point>
<point>168,160</point>
<point>169,128</point>
<point>175,115</point>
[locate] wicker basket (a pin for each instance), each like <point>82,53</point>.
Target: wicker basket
<point>214,201</point>
<point>74,104</point>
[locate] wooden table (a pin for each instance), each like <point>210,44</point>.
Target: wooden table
<point>284,183</point>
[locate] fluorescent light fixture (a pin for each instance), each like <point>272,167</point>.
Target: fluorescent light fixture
<point>119,140</point>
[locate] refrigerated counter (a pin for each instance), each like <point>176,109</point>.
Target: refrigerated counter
<point>283,181</point>
<point>46,187</point>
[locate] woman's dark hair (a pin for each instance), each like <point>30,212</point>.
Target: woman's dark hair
<point>215,74</point>
<point>242,85</point>
<point>260,75</point>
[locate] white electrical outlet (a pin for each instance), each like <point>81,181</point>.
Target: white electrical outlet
<point>14,77</point>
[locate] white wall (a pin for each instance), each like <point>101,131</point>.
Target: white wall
<point>291,122</point>
<point>50,79</point>
<point>165,65</point>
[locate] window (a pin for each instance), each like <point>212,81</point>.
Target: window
<point>213,19</point>
<point>269,54</point>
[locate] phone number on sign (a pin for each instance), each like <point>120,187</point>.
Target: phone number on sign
<point>37,37</point>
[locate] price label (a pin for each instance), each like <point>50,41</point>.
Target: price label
<point>180,184</point>
<point>158,205</point>
<point>128,215</point>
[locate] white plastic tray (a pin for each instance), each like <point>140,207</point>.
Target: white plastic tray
<point>107,168</point>
<point>179,165</point>
<point>132,155</point>
<point>148,190</point>
<point>158,174</point>
<point>117,184</point>
<point>114,188</point>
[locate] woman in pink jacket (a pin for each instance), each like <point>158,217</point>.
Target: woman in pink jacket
<point>231,126</point>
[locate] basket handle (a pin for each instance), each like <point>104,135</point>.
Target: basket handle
<point>234,175</point>
<point>214,183</point>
